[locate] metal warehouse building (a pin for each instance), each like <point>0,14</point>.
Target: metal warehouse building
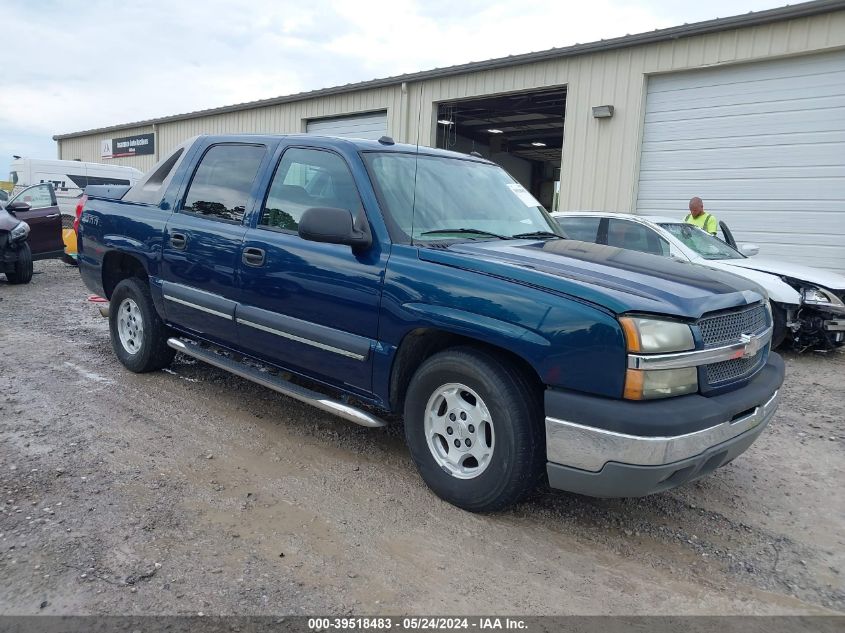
<point>747,112</point>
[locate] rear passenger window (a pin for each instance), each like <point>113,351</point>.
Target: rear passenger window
<point>635,237</point>
<point>221,184</point>
<point>580,228</point>
<point>307,178</point>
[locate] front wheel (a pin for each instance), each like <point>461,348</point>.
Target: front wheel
<point>473,424</point>
<point>138,335</point>
<point>23,267</point>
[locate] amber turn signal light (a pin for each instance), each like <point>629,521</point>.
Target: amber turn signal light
<point>632,334</point>
<point>634,379</point>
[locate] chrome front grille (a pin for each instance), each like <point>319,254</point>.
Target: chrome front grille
<point>734,369</point>
<point>726,328</point>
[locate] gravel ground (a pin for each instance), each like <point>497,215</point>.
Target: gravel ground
<point>192,491</point>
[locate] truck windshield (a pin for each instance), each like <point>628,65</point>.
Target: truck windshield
<point>701,242</point>
<point>432,198</point>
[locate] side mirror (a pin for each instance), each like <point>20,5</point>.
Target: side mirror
<point>749,250</point>
<point>18,205</point>
<point>334,226</point>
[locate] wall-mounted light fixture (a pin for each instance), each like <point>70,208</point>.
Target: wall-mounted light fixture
<point>538,144</point>
<point>603,111</point>
<point>444,122</point>
<point>494,131</point>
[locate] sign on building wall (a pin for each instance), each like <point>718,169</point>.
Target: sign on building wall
<point>137,145</point>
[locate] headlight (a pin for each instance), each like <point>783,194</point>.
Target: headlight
<point>812,295</point>
<point>656,336</point>
<point>19,232</point>
<point>641,384</point>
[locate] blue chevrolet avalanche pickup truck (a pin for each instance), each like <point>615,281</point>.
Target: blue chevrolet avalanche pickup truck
<point>370,278</point>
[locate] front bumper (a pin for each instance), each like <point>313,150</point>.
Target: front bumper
<point>615,448</point>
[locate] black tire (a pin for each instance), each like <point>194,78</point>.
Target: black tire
<point>518,458</point>
<point>779,330</point>
<point>152,351</point>
<point>23,267</point>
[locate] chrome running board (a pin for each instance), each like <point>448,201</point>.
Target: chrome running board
<point>297,392</point>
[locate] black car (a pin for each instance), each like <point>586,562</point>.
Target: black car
<point>15,253</point>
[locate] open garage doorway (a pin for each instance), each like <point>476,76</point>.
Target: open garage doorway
<point>522,132</point>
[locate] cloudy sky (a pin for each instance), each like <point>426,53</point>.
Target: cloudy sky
<point>75,65</point>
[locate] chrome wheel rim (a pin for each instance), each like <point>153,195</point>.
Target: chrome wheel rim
<point>459,431</point>
<point>130,326</point>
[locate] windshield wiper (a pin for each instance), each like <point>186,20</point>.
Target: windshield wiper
<point>537,234</point>
<point>464,231</point>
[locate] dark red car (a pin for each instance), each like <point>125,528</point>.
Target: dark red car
<point>37,206</point>
<point>30,229</point>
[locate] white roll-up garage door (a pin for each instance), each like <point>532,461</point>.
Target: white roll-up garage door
<point>372,125</point>
<point>763,144</point>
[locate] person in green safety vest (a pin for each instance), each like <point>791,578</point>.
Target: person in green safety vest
<point>697,216</point>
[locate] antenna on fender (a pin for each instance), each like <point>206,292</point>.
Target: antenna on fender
<point>416,164</point>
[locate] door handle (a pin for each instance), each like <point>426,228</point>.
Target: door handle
<point>53,215</point>
<point>178,241</point>
<point>253,256</point>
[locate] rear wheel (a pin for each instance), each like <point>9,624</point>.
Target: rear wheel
<point>23,267</point>
<point>138,335</point>
<point>474,428</point>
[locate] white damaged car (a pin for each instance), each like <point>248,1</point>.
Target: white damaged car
<point>808,304</point>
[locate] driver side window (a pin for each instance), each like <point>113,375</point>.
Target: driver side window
<point>307,178</point>
<point>37,197</point>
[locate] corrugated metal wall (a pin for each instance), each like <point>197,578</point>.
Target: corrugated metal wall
<point>277,119</point>
<point>601,156</point>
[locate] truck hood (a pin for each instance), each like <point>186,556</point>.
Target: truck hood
<point>816,276</point>
<point>617,279</point>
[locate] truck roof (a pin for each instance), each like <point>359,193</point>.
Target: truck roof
<point>358,144</point>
